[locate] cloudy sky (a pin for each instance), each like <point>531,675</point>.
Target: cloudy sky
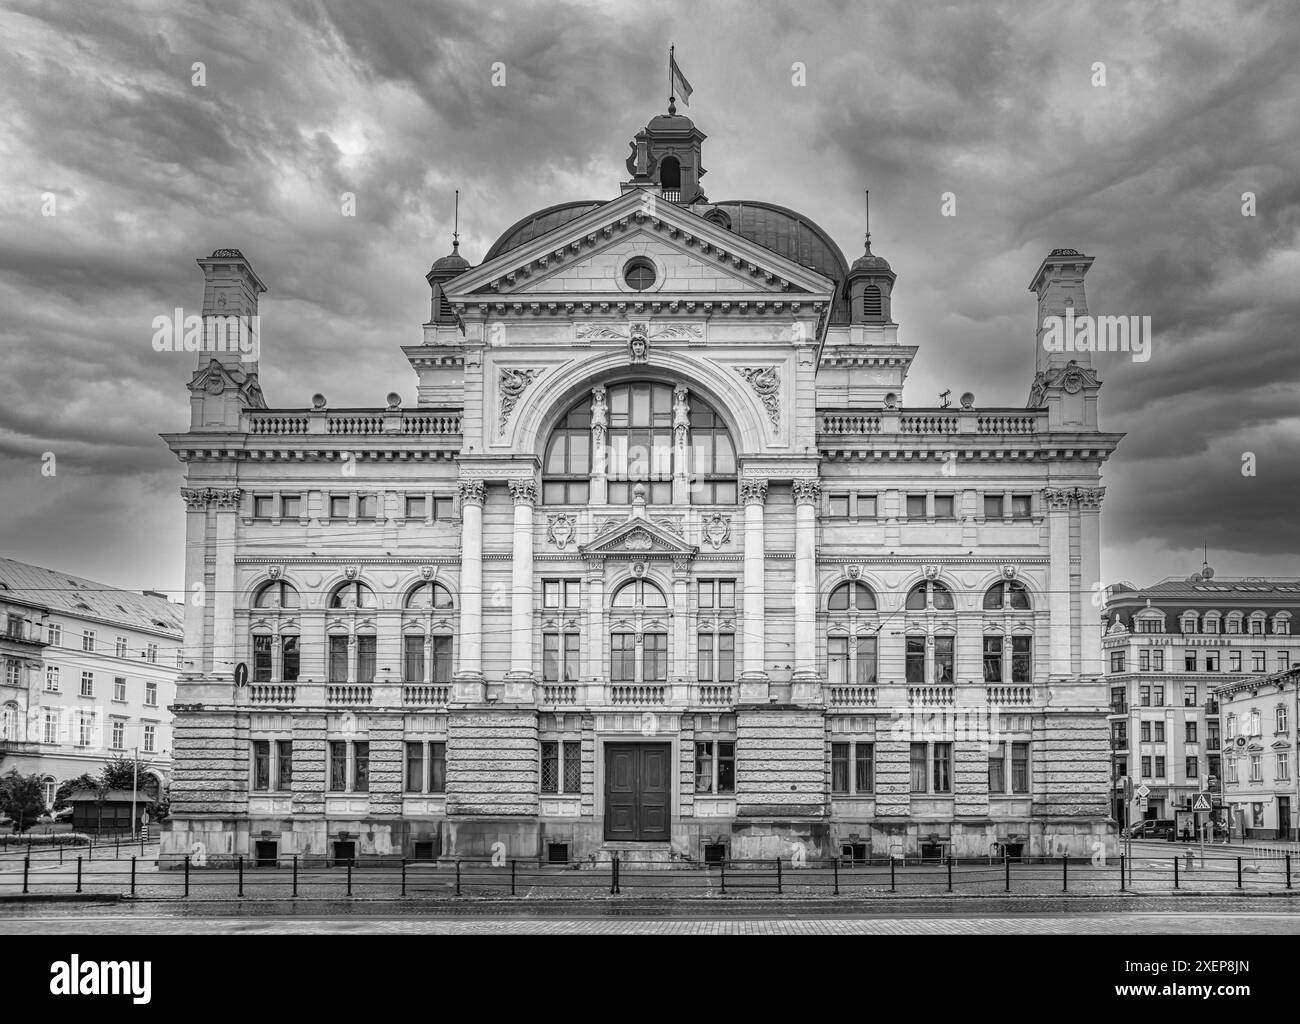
<point>994,102</point>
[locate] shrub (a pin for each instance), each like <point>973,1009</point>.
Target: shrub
<point>51,839</point>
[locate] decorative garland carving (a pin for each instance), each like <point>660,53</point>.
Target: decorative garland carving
<point>767,385</point>
<point>512,384</point>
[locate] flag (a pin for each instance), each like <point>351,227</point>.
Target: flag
<point>681,88</point>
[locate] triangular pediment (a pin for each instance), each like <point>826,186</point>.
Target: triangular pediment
<point>587,255</point>
<point>637,537</point>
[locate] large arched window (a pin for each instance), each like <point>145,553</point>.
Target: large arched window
<point>1006,594</point>
<point>851,595</point>
<point>939,597</point>
<point>639,594</point>
<point>851,642</point>
<point>276,594</point>
<point>352,595</point>
<point>428,596</point>
<point>639,421</point>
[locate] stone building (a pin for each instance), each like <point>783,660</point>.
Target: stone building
<point>89,672</point>
<point>1260,790</point>
<point>659,559</point>
<point>1168,647</point>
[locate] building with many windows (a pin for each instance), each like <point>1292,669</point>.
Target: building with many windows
<point>1259,787</point>
<point>89,674</point>
<point>659,559</point>
<point>1168,647</point>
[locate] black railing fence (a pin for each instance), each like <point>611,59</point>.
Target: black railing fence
<point>131,873</point>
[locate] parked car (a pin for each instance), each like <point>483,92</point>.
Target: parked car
<point>1152,828</point>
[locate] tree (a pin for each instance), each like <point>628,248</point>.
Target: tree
<point>123,772</point>
<point>22,797</point>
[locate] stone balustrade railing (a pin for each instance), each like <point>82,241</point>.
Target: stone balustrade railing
<point>1012,696</point>
<point>272,693</point>
<point>349,422</point>
<point>930,422</point>
<point>938,696</point>
<point>426,695</point>
<point>349,694</point>
<point>851,696</point>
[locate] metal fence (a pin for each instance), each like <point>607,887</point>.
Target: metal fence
<point>149,876</point>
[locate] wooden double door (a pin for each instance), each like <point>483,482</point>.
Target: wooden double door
<point>637,798</point>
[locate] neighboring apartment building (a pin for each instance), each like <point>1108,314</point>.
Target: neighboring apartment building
<point>659,560</point>
<point>1167,648</point>
<point>89,673</point>
<point>1259,782</point>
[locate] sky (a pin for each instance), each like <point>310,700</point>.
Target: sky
<point>804,104</point>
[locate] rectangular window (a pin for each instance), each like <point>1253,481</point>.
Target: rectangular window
<point>864,767</point>
<point>289,657</point>
<point>704,766</point>
<point>13,674</point>
<point>413,658</point>
<point>1144,696</point>
<point>1234,661</point>
<point>1160,766</point>
<point>1117,661</point>
<point>993,506</point>
<point>119,688</point>
<point>1190,733</point>
<point>88,640</point>
<point>415,767</point>
<point>338,766</point>
<point>1144,732</point>
<point>654,657</point>
<point>438,767</point>
<point>261,658</point>
<point>726,766</point>
<point>1021,658</point>
<point>1158,696</point>
<point>1283,660</point>
<point>444,508</point>
<point>1159,732</point>
<point>51,726</point>
<point>561,766</point>
<point>1212,735</point>
<point>943,659</point>
<point>360,767</point>
<point>339,505</point>
<point>367,506</point>
<point>865,671</point>
<point>118,732</point>
<point>1279,720</point>
<point>1158,660</point>
<point>571,752</point>
<point>263,504</point>
<point>52,684</point>
<point>944,506</point>
<point>284,764</point>
<point>1282,764</point>
<point>1189,661</point>
<point>837,504</point>
<point>1119,734</point>
<point>1020,506</point>
<point>943,767</point>
<point>261,765</point>
<point>366,659</point>
<point>837,660</point>
<point>840,768</point>
<point>150,694</point>
<point>442,659</point>
<point>1020,767</point>
<point>1144,660</point>
<point>998,768</point>
<point>918,766</point>
<point>1257,661</point>
<point>915,659</point>
<point>561,593</point>
<point>151,653</point>
<point>291,506</point>
<point>338,667</point>
<point>85,728</point>
<point>55,635</point>
<point>1232,770</point>
<point>916,506</point>
<point>415,507</point>
<point>1256,768</point>
<point>1189,695</point>
<point>866,506</point>
<point>1192,766</point>
<point>87,684</point>
<point>726,657</point>
<point>622,660</point>
<point>120,647</point>
<point>561,653</point>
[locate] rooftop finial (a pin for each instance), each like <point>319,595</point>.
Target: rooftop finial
<point>866,204</point>
<point>455,231</point>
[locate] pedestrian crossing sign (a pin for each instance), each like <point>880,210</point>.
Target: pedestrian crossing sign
<point>1202,803</point>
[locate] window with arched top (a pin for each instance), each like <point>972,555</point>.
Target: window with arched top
<point>929,594</point>
<point>1187,622</point>
<point>1232,623</point>
<point>352,595</point>
<point>1282,623</point>
<point>670,173</point>
<point>429,596</point>
<point>639,594</point>
<point>637,423</point>
<point>1210,623</point>
<point>276,594</point>
<point>851,596</point>
<point>1257,620</point>
<point>1009,594</point>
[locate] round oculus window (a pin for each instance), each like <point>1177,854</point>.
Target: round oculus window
<point>639,274</point>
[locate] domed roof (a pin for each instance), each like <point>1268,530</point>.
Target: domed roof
<point>537,224</point>
<point>872,263</point>
<point>670,123</point>
<point>452,261</point>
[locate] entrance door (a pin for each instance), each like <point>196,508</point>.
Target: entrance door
<point>1284,817</point>
<point>266,853</point>
<point>636,792</point>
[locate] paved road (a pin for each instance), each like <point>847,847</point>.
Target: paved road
<point>1126,924</point>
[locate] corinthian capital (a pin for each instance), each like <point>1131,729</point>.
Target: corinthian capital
<point>753,492</point>
<point>1057,498</point>
<point>523,491</point>
<point>226,499</point>
<point>807,492</point>
<point>1090,497</point>
<point>472,492</point>
<point>195,498</point>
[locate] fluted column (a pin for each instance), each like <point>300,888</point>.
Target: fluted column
<point>196,589</point>
<point>469,664</point>
<point>524,493</point>
<point>1057,500</point>
<point>596,622</point>
<point>224,655</point>
<point>754,676</point>
<point>807,493</point>
<point>1090,575</point>
<point>680,653</point>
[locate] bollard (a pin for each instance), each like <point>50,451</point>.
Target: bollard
<point>349,876</point>
<point>1006,860</point>
<point>27,866</point>
<point>778,876</point>
<point>403,877</point>
<point>891,873</point>
<point>512,878</point>
<point>836,863</point>
<point>78,874</point>
<point>187,876</point>
<point>457,877</point>
<point>117,846</point>
<point>132,876</point>
<point>1122,885</point>
<point>950,872</point>
<point>295,874</point>
<point>241,874</point>
<point>1065,872</point>
<point>1288,871</point>
<point>1239,885</point>
<point>613,875</point>
<point>1175,872</point>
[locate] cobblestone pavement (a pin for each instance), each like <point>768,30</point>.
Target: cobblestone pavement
<point>1178,923</point>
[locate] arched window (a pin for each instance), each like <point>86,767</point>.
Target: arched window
<point>639,422</point>
<point>1232,624</point>
<point>873,304</point>
<point>9,722</point>
<point>352,595</point>
<point>1210,624</point>
<point>929,594</point>
<point>49,789</point>
<point>1187,622</point>
<point>1006,594</point>
<point>856,596</point>
<point>1257,623</point>
<point>639,594</point>
<point>1282,623</point>
<point>429,596</point>
<point>276,594</point>
<point>670,173</point>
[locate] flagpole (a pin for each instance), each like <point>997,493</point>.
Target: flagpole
<point>671,104</point>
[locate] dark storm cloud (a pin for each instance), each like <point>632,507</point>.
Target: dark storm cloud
<point>393,103</point>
